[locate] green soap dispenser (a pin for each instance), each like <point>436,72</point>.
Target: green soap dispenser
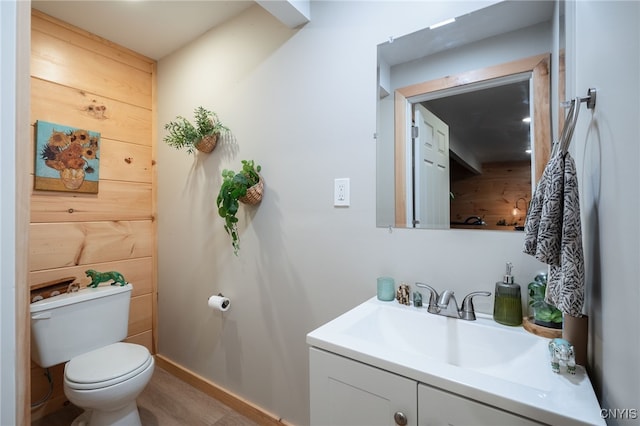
<point>507,307</point>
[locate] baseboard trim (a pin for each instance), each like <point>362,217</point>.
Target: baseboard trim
<point>239,404</point>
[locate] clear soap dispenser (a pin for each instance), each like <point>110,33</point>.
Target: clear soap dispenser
<point>507,307</point>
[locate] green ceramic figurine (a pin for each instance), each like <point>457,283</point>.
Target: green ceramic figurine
<point>101,277</point>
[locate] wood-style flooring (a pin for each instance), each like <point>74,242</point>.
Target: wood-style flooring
<point>166,401</point>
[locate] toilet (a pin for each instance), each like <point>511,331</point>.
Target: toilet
<point>102,374</point>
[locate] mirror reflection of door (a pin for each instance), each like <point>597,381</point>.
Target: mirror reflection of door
<point>500,185</point>
<point>431,170</point>
<point>522,37</point>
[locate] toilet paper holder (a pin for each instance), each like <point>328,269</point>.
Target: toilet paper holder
<point>226,302</point>
<point>219,302</point>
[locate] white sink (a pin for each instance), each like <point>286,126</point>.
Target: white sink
<point>502,366</point>
<point>481,345</point>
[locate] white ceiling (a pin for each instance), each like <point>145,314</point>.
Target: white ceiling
<point>151,28</point>
<point>499,18</point>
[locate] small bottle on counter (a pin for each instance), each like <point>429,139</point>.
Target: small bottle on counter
<point>507,306</point>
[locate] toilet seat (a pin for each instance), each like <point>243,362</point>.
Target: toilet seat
<point>106,366</point>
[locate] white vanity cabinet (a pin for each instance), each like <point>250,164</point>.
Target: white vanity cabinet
<point>350,393</point>
<point>383,363</point>
<point>441,408</point>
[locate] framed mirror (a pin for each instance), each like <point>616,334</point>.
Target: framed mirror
<point>470,170</point>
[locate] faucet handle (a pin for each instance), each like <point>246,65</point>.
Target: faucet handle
<point>432,308</point>
<point>468,311</point>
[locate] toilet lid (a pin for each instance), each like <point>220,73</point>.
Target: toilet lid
<point>106,366</point>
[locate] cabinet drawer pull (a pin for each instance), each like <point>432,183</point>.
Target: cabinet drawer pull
<point>400,418</point>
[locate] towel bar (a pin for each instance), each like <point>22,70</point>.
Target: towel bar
<point>590,99</point>
<point>572,119</point>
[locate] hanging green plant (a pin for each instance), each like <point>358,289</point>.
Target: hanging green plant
<point>203,135</point>
<point>245,186</point>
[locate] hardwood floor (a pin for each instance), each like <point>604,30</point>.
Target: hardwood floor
<point>166,401</point>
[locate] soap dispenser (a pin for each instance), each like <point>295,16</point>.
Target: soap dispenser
<point>507,307</point>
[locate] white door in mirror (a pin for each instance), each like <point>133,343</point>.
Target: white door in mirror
<point>431,180</point>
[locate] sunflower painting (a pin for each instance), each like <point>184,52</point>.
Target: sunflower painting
<point>66,158</point>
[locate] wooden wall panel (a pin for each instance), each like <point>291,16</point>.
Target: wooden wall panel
<point>144,339</point>
<point>125,161</point>
<point>40,388</point>
<point>492,195</point>
<point>81,80</point>
<point>78,37</point>
<point>115,201</point>
<point>55,245</point>
<point>78,108</point>
<point>53,59</point>
<point>140,315</point>
<point>40,383</point>
<point>136,271</point>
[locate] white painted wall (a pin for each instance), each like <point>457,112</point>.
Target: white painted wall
<point>8,96</point>
<point>605,53</point>
<point>302,104</point>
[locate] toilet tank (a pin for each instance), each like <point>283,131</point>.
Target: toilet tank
<point>71,324</point>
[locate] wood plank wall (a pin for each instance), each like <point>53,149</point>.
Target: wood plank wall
<point>83,81</point>
<point>492,195</point>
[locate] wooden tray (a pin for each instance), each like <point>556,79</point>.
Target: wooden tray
<point>539,330</point>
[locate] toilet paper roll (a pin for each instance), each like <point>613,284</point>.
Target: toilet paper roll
<point>219,303</point>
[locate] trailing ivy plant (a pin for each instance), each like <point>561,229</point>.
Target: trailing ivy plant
<point>234,186</point>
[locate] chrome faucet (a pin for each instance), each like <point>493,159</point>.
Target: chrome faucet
<point>446,304</point>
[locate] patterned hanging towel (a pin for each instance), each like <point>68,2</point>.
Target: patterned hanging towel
<point>553,234</point>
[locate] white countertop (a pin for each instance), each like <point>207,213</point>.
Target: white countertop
<point>505,367</point>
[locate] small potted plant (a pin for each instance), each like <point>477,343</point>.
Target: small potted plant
<point>203,135</point>
<point>544,314</point>
<point>245,186</point>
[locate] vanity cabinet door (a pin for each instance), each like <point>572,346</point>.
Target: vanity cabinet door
<point>347,392</point>
<point>441,408</point>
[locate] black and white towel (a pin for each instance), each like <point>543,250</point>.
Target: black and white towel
<point>553,234</point>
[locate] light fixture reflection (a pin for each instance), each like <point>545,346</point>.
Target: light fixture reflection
<point>516,208</point>
<point>443,23</point>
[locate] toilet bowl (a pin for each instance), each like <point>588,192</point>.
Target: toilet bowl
<point>106,381</point>
<point>84,329</point>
